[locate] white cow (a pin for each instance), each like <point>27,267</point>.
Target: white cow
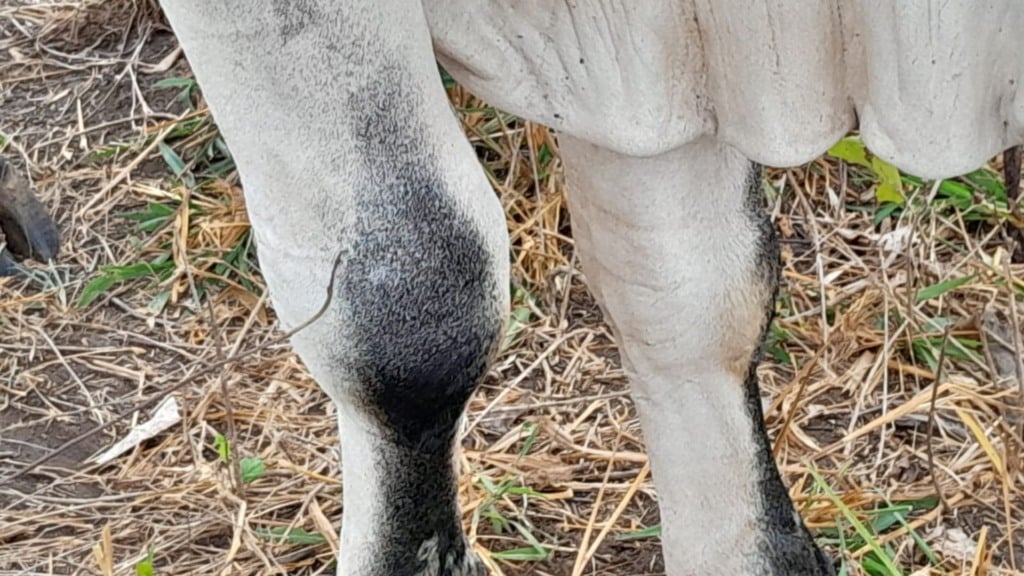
<point>347,145</point>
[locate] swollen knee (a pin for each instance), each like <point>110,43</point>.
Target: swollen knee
<point>424,305</point>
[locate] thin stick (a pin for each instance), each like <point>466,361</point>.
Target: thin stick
<point>1018,346</point>
<point>803,376</point>
<point>931,420</point>
<point>619,509</point>
<point>581,556</point>
<point>181,240</point>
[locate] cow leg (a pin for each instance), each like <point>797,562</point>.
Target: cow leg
<point>348,147</point>
<point>684,264</point>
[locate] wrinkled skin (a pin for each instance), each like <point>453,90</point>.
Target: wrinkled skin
<point>28,229</point>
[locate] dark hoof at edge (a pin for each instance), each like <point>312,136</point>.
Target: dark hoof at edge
<point>28,229</point>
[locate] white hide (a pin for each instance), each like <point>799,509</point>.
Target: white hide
<point>279,79</point>
<point>936,84</point>
<point>292,139</point>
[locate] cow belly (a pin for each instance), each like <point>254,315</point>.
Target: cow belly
<point>935,84</point>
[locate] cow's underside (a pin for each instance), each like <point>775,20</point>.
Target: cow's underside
<point>935,85</point>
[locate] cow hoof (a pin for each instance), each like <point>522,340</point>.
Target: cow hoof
<point>28,229</point>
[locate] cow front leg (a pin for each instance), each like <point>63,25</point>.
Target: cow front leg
<point>684,264</point>
<point>348,148</point>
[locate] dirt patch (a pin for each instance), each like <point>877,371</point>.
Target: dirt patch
<point>25,440</point>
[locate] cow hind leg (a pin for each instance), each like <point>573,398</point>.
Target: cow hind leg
<point>684,264</point>
<point>348,150</point>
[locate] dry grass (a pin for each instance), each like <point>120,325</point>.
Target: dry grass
<point>847,397</point>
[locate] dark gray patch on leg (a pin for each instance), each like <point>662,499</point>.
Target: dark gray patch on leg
<point>424,533</point>
<point>420,283</point>
<point>293,16</point>
<point>786,543</point>
<point>420,293</point>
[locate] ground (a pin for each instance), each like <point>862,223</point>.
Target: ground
<point>157,283</point>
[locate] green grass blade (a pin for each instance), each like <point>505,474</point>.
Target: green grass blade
<point>649,532</point>
<point>292,536</point>
<point>936,290</point>
<point>880,555</point>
